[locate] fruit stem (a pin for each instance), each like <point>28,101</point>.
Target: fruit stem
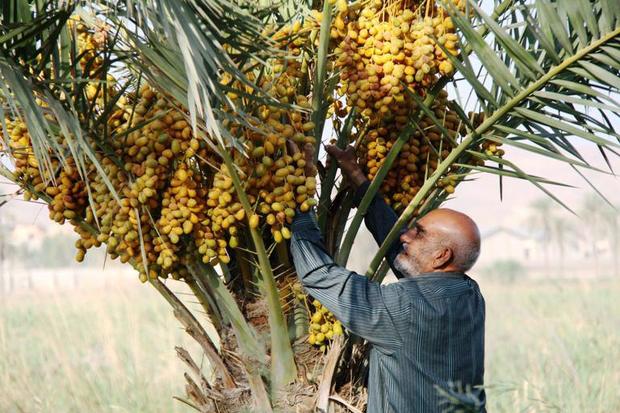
<point>210,310</point>
<point>210,281</point>
<point>319,106</point>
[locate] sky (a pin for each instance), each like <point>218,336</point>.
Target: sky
<point>481,198</point>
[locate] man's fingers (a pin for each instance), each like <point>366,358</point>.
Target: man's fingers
<point>350,154</point>
<point>341,154</point>
<point>309,153</point>
<point>334,151</point>
<point>331,153</point>
<point>310,169</point>
<point>291,147</point>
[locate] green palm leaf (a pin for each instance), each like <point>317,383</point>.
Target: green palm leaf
<point>186,46</point>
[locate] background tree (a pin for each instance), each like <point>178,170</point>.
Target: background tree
<point>564,232</point>
<point>610,217</point>
<point>541,224</point>
<point>592,211</point>
<point>602,227</point>
<point>552,227</point>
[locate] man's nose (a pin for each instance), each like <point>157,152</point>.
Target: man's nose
<point>404,238</point>
<point>407,234</point>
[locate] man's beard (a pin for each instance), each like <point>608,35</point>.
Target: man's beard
<point>407,265</point>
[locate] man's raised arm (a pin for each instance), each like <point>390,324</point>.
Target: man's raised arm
<point>379,217</point>
<point>364,307</point>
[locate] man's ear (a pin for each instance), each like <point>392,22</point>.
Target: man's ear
<point>442,257</point>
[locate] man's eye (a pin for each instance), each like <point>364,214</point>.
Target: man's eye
<point>419,231</point>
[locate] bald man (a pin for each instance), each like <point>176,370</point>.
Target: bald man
<point>427,330</point>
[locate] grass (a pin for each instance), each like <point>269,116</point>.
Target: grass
<point>552,346</point>
<point>108,351</point>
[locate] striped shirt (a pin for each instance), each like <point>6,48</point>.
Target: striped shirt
<point>426,332</point>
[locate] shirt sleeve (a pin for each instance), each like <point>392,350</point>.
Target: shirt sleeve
<point>364,307</point>
<point>379,219</point>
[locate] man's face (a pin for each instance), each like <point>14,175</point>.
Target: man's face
<point>411,261</point>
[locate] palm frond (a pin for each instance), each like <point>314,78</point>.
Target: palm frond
<point>185,47</point>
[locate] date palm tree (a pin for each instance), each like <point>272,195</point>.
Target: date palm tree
<point>541,224</point>
<point>541,75</point>
<point>611,218</point>
<point>602,224</point>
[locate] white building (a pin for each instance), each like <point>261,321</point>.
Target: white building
<point>579,256</point>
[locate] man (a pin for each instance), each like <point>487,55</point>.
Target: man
<point>427,330</point>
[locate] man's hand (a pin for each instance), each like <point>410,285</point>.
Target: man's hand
<point>309,168</point>
<point>347,161</point>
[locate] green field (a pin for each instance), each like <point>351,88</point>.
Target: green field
<point>551,346</point>
<point>110,351</point>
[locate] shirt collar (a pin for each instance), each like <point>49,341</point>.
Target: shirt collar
<point>436,274</point>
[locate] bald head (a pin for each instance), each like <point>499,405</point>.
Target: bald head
<point>443,240</point>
